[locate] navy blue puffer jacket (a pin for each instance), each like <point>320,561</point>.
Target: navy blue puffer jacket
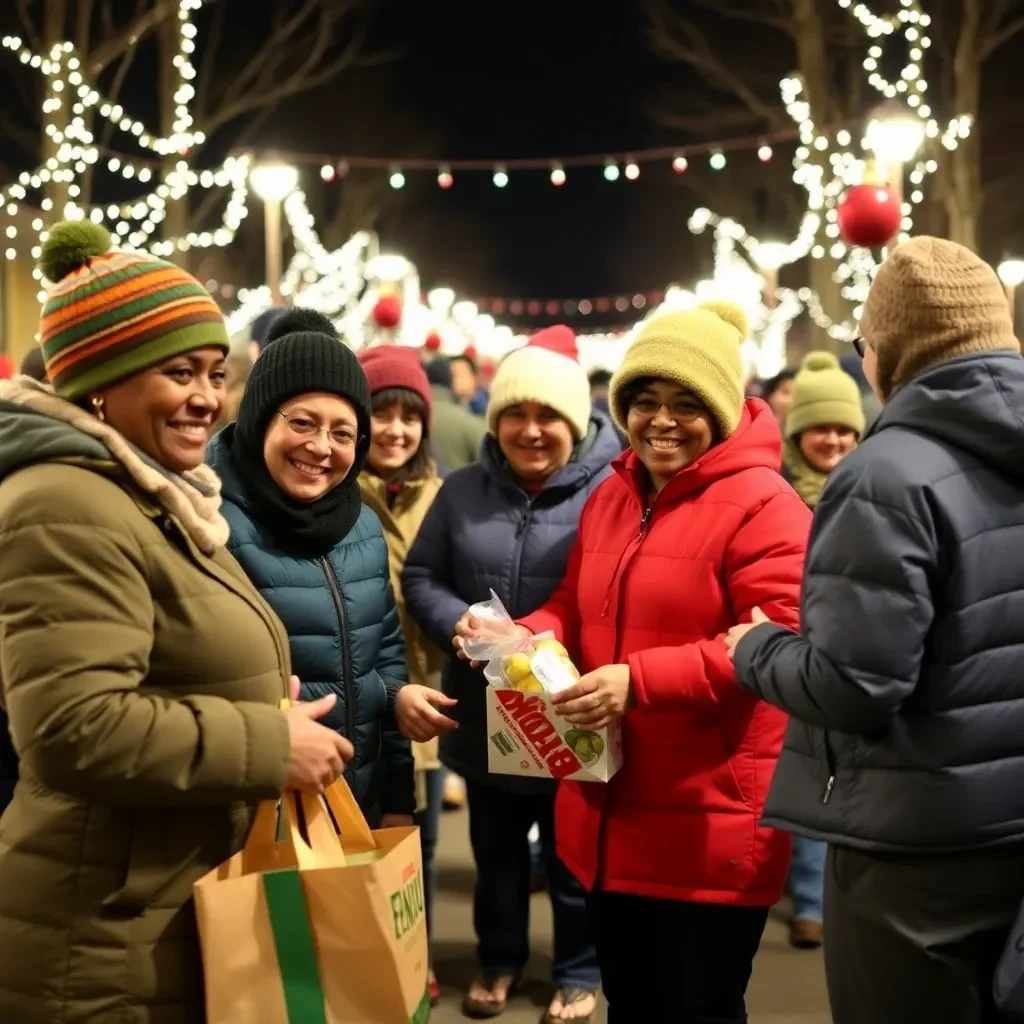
<point>906,681</point>
<point>344,633</point>
<point>484,532</point>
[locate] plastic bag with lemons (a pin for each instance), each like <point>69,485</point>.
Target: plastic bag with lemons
<point>536,664</point>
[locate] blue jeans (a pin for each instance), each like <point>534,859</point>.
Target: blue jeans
<point>499,823</point>
<point>807,878</point>
<point>429,821</point>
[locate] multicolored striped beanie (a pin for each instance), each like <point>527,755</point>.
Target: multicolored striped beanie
<point>110,315</point>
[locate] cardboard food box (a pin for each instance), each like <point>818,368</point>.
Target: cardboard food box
<point>526,737</point>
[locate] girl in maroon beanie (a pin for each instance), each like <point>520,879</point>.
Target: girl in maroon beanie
<point>399,482</point>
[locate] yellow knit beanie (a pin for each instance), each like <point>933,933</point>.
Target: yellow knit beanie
<point>933,300</point>
<point>698,349</point>
<point>824,394</point>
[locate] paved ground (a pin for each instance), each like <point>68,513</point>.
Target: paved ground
<point>788,986</point>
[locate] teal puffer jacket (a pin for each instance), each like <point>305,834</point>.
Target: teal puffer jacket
<point>344,633</point>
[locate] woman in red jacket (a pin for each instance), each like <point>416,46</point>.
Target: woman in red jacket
<point>694,529</point>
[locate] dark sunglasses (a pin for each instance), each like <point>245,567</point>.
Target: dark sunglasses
<point>859,346</point>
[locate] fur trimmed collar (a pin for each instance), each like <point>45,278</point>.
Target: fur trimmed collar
<point>192,498</point>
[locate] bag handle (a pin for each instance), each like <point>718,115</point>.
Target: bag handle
<point>355,829</point>
<point>323,848</point>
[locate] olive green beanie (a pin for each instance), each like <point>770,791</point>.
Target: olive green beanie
<point>823,394</point>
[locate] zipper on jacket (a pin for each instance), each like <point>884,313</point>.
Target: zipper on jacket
<point>346,654</point>
<point>517,554</point>
<point>645,522</point>
<point>830,762</point>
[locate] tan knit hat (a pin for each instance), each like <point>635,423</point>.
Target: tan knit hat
<point>535,374</point>
<point>698,349</point>
<point>933,300</point>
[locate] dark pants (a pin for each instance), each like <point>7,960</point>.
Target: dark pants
<point>917,938</point>
<point>429,822</point>
<point>666,960</point>
<point>499,825</point>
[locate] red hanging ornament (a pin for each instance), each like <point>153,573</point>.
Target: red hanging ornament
<point>387,313</point>
<point>433,342</point>
<point>869,215</point>
<point>470,352</point>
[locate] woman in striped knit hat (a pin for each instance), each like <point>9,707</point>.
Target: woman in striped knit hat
<point>141,669</point>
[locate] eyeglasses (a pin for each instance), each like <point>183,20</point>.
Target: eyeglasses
<point>859,346</point>
<point>339,437</point>
<point>684,409</point>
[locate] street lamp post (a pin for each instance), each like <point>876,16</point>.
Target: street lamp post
<point>1011,273</point>
<point>273,183</point>
<point>895,136</point>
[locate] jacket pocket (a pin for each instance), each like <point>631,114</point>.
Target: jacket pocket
<point>165,856</point>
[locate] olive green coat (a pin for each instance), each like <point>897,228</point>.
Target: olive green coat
<point>140,670</point>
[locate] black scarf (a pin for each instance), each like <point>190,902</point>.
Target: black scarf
<point>303,354</point>
<point>307,529</point>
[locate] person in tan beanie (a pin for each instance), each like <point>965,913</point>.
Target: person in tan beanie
<point>694,529</point>
<point>906,681</point>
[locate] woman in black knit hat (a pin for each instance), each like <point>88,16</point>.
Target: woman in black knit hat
<point>289,467</point>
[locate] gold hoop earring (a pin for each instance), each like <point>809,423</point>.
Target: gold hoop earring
<point>97,407</point>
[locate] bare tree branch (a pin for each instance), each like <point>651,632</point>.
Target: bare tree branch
<point>753,12</point>
<point>140,26</point>
<point>997,38</point>
<point>679,39</point>
<point>28,26</point>
<point>269,79</point>
<point>26,138</point>
<point>83,24</point>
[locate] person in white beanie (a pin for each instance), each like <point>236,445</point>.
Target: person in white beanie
<point>508,523</point>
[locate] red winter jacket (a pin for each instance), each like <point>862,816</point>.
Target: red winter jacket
<point>657,587</point>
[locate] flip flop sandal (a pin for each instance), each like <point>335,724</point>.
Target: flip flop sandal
<point>570,995</point>
<point>486,1009</point>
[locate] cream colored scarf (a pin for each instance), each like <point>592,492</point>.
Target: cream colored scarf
<point>193,498</point>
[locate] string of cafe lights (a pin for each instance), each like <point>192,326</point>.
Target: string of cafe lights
<point>615,166</point>
<point>855,266</point>
<point>132,222</point>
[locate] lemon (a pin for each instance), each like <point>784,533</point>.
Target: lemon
<point>530,684</point>
<point>550,644</point>
<point>517,667</point>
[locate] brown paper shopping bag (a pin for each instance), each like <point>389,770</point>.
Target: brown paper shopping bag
<point>318,928</point>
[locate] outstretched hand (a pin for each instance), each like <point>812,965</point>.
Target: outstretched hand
<point>737,633</point>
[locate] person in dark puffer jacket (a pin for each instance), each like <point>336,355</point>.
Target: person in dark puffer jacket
<point>906,683</point>
<point>289,469</point>
<point>508,522</point>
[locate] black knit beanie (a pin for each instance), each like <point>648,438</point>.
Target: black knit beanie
<point>303,354</point>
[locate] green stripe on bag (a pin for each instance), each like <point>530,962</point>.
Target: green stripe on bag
<point>296,954</point>
<point>422,1012</point>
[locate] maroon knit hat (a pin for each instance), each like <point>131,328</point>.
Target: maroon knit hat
<point>557,338</point>
<point>396,366</point>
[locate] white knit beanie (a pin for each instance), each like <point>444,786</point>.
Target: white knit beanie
<point>534,374</point>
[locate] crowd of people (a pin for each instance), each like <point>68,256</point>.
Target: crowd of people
<point>229,571</point>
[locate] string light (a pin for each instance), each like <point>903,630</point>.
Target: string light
<point>825,167</point>
<point>70,105</point>
<point>611,171</point>
<point>558,175</point>
<point>632,171</point>
<point>397,180</point>
<point>679,164</point>
<point>717,160</point>
<point>500,177</point>
<point>444,178</point>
